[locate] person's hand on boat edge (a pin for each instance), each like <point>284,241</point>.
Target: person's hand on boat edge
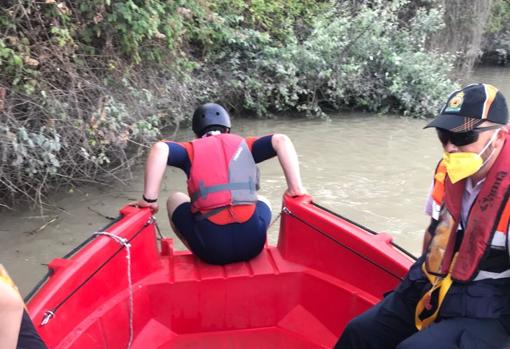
<point>143,202</point>
<point>295,192</point>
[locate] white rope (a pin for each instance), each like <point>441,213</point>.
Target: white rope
<point>274,220</point>
<point>124,242</point>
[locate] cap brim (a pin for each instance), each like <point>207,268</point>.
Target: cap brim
<point>454,123</point>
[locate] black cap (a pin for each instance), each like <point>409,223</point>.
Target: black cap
<point>467,108</point>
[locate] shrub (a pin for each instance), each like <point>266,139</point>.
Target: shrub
<point>85,85</point>
<point>364,59</point>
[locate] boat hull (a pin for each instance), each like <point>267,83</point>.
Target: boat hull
<point>298,294</point>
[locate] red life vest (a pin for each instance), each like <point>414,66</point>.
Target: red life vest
<point>488,216</point>
<point>223,174</point>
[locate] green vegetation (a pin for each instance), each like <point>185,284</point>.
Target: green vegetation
<point>500,17</point>
<point>497,37</point>
<point>364,59</point>
<point>85,84</point>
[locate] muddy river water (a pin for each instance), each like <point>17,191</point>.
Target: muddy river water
<point>375,170</point>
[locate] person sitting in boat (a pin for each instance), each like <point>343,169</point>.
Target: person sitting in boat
<point>457,294</point>
<point>221,219</point>
<point>16,327</point>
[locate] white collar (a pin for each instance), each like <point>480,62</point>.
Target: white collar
<point>470,187</point>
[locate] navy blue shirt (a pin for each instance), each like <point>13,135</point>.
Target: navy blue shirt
<point>261,149</point>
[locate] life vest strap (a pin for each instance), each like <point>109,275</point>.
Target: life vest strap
<point>424,304</point>
<point>204,215</point>
<point>206,190</point>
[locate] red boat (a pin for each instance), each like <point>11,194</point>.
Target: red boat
<point>127,288</point>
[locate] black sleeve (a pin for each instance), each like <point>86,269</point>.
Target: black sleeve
<point>262,149</point>
<point>178,157</point>
<point>28,336</point>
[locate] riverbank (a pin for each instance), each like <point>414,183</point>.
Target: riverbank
<point>85,89</point>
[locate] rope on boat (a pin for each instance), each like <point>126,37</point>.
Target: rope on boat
<point>157,227</point>
<point>125,243</point>
<point>49,314</point>
<point>350,249</point>
<point>274,220</point>
<point>49,273</point>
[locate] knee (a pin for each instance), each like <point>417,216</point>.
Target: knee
<point>415,342</point>
<point>353,334</point>
<point>177,196</point>
<point>357,326</point>
<point>174,200</point>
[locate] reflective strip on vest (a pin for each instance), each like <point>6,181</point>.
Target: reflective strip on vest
<point>484,274</point>
<point>502,229</point>
<point>438,190</point>
<point>499,240</point>
<point>204,191</point>
<point>436,210</point>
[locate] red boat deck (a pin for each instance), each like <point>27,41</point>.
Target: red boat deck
<point>298,295</point>
<point>243,302</point>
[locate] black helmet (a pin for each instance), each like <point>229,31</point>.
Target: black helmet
<point>209,114</point>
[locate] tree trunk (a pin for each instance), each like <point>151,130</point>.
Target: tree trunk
<point>465,24</point>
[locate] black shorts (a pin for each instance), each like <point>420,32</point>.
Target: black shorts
<point>222,244</point>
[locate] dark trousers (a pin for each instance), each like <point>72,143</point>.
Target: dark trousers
<point>28,336</point>
<point>222,244</point>
<point>390,325</point>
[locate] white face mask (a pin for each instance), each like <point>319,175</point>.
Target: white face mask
<point>491,140</point>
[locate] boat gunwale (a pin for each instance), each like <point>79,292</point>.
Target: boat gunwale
<point>368,230</point>
<point>68,255</point>
<point>91,238</point>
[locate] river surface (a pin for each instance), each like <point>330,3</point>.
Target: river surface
<point>375,170</point>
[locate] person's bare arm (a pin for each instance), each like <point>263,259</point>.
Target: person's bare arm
<point>288,159</point>
<point>154,171</point>
<point>11,312</point>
